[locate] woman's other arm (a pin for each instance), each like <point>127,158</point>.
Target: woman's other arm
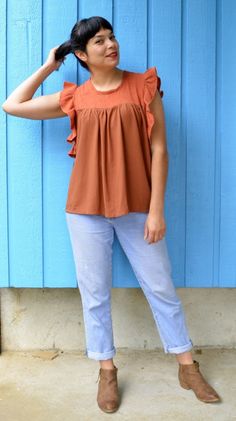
<point>20,102</point>
<point>159,150</point>
<point>155,226</point>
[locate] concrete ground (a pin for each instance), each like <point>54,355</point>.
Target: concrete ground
<point>62,386</point>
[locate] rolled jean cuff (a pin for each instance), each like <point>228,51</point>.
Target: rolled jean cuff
<point>179,349</point>
<point>100,355</point>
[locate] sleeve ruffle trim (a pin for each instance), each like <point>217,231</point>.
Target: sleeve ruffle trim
<point>152,83</point>
<point>67,105</point>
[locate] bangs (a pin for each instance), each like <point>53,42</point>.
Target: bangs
<point>89,27</point>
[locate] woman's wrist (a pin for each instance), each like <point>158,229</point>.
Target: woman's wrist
<point>48,68</point>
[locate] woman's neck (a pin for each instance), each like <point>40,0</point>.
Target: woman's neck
<point>106,79</point>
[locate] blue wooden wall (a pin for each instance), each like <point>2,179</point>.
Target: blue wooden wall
<point>192,44</point>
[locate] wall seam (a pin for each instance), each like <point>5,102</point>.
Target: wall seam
<point>217,163</point>
<point>183,120</point>
<point>42,156</point>
<point>7,168</point>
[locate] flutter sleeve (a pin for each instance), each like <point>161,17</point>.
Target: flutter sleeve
<point>152,83</point>
<point>66,102</point>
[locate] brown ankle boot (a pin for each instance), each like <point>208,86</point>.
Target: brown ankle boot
<point>108,395</point>
<point>190,377</point>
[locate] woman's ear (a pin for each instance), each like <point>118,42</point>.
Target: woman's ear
<point>81,55</point>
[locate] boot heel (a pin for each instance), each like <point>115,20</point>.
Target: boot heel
<point>184,385</point>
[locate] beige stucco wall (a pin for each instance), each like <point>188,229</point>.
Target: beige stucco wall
<point>52,318</point>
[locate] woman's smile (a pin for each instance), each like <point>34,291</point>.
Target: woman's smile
<point>114,54</point>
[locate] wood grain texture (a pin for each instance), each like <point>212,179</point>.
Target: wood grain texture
<point>227,130</point>
<point>200,133</point>
<point>58,262</point>
<point>24,149</point>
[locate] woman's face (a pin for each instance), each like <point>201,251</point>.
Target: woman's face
<point>102,50</point>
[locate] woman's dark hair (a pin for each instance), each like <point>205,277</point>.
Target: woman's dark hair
<point>81,33</point>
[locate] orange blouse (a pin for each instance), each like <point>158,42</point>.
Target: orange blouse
<point>111,130</point>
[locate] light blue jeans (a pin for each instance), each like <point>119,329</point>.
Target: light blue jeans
<point>91,239</point>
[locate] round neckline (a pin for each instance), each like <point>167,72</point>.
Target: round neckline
<point>110,90</point>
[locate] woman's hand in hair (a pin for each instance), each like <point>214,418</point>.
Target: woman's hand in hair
<point>51,62</point>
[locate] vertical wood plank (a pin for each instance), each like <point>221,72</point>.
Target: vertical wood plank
<point>24,149</point>
<point>200,130</point>
<point>164,52</point>
<point>227,270</point>
<point>218,126</point>
<point>57,165</point>
<point>4,274</point>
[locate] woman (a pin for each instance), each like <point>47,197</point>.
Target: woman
<point>117,184</point>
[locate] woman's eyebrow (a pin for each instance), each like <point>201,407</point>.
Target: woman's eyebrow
<point>99,36</point>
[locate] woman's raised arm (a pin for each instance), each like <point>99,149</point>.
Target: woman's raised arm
<point>20,102</point>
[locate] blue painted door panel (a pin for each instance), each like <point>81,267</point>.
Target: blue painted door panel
<point>191,43</point>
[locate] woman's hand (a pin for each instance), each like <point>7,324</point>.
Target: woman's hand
<point>51,62</point>
<point>155,227</point>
